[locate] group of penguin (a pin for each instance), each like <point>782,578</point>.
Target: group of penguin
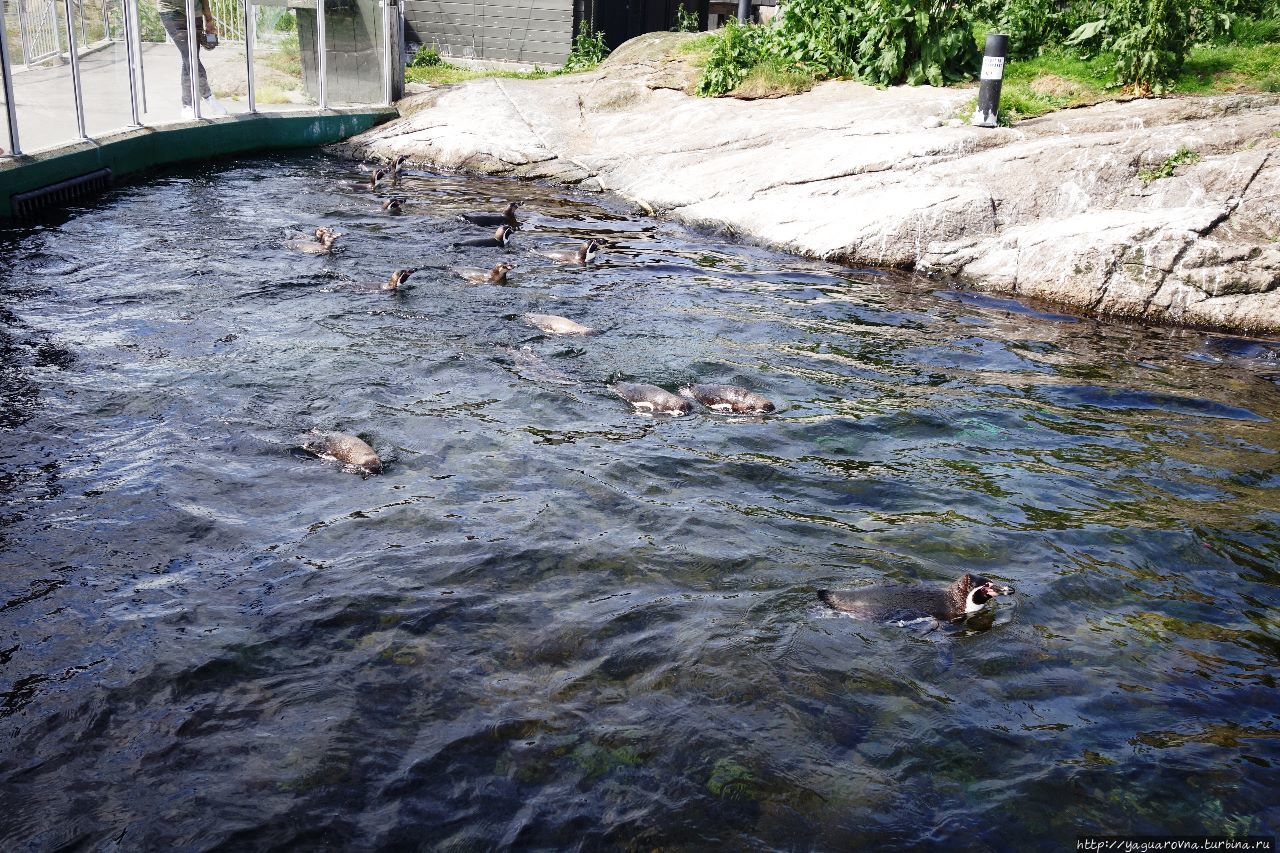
<point>967,595</point>
<point>359,456</point>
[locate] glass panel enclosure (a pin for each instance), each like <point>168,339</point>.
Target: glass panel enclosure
<point>42,88</point>
<point>104,65</point>
<point>82,69</point>
<point>225,64</point>
<point>284,75</point>
<point>354,56</point>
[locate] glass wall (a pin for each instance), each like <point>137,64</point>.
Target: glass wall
<point>284,76</point>
<point>86,68</point>
<point>42,86</point>
<point>103,55</point>
<point>354,52</point>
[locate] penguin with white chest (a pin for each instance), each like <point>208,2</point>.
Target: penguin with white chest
<point>896,602</point>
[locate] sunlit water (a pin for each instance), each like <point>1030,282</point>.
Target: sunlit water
<point>556,623</point>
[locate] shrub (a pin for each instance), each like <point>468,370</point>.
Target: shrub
<point>915,42</point>
<point>588,50</point>
<point>1033,25</point>
<point>738,48</point>
<point>425,57</point>
<point>686,20</point>
<point>883,42</point>
<point>1150,43</point>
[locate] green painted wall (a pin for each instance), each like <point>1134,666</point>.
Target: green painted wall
<point>132,151</point>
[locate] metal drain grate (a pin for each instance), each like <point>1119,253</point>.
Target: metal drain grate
<point>31,202</point>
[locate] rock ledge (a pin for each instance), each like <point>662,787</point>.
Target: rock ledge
<point>1053,208</point>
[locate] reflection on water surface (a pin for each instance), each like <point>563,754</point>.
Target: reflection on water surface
<point>552,621</point>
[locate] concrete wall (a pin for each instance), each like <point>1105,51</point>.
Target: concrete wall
<point>534,31</point>
<point>354,59</point>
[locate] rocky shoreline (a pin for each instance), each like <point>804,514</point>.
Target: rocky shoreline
<point>1063,208</point>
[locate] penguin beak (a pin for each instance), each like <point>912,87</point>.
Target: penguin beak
<point>999,589</point>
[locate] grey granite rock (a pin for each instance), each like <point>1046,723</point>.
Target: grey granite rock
<point>1052,208</point>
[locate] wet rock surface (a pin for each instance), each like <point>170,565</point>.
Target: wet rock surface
<point>1053,208</point>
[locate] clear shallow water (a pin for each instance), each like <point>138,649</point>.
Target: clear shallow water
<point>555,623</point>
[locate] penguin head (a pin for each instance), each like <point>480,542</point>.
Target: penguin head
<point>393,204</point>
<point>503,235</point>
<point>327,236</point>
<point>979,590</point>
<point>499,272</point>
<point>511,208</point>
<point>590,250</point>
<point>399,277</point>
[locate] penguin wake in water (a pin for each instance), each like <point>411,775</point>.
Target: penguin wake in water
<point>905,602</point>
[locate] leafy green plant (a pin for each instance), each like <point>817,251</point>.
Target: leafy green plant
<point>883,42</point>
<point>1036,25</point>
<point>1151,43</point>
<point>921,41</point>
<point>588,50</point>
<point>425,57</point>
<point>1182,157</point>
<point>738,48</point>
<point>686,20</point>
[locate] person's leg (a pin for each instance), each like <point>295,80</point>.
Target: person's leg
<point>175,24</point>
<point>205,91</point>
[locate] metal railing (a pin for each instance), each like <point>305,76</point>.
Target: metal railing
<point>61,32</point>
<point>38,32</point>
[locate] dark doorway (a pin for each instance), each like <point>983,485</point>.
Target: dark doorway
<point>620,20</point>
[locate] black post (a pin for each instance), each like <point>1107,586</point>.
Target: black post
<point>990,81</point>
<point>744,11</point>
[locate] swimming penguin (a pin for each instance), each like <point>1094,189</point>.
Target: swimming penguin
<point>506,217</point>
<point>322,245</point>
<point>969,594</point>
<point>393,205</point>
<point>376,177</point>
<point>397,278</point>
<point>497,275</point>
<point>584,254</point>
<point>394,169</point>
<point>553,324</point>
<point>344,448</point>
<point>651,398</point>
<point>500,238</point>
<point>728,398</point>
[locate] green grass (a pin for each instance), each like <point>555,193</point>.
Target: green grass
<point>445,74</point>
<point>698,50</point>
<point>1057,80</point>
<point>287,58</point>
<point>772,80</point>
